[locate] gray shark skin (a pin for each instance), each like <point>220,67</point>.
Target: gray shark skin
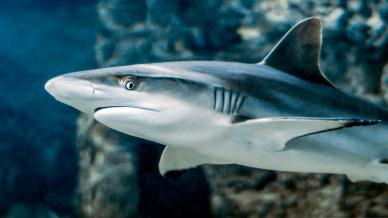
<point>279,114</point>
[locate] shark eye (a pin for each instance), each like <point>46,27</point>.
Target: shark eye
<point>130,84</point>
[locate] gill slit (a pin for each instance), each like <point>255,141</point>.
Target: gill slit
<point>227,101</point>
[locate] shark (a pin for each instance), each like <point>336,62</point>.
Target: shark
<point>279,114</point>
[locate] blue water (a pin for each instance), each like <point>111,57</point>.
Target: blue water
<point>38,40</point>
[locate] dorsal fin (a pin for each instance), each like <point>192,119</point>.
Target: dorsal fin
<point>297,53</point>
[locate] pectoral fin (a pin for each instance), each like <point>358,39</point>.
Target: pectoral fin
<point>173,159</point>
<point>272,134</point>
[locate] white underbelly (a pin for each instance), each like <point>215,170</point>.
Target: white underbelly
<point>343,151</point>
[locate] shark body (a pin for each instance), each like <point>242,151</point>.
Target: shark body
<point>280,114</point>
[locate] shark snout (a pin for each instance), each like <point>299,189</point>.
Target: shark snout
<point>68,86</point>
<point>52,85</point>
<point>70,90</point>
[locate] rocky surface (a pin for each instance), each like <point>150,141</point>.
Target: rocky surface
<point>108,172</point>
<point>258,193</point>
<point>119,177</point>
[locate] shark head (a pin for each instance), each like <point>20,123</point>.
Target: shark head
<point>140,100</point>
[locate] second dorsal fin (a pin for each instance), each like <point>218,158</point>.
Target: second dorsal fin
<point>297,53</point>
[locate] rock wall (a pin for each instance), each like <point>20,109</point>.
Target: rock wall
<point>119,173</point>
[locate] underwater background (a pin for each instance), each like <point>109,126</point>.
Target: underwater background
<point>55,162</point>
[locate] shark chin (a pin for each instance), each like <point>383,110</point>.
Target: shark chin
<point>129,120</point>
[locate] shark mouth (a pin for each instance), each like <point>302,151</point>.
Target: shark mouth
<point>142,108</point>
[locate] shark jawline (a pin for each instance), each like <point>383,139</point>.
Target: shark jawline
<point>142,108</point>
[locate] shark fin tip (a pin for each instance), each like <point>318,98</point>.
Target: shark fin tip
<point>361,123</point>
